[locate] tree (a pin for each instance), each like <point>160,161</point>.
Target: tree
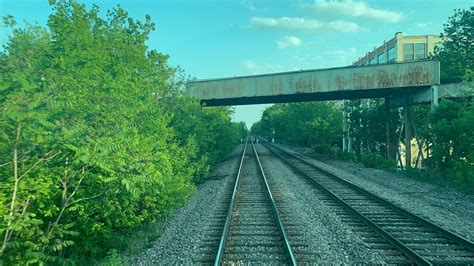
<point>315,124</point>
<point>455,52</point>
<point>367,126</point>
<point>89,144</point>
<point>447,129</point>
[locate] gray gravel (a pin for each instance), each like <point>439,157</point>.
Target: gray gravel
<point>323,231</point>
<point>182,235</point>
<point>329,239</point>
<point>253,232</point>
<point>446,207</point>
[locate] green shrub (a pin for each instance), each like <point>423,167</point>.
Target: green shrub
<point>373,160</point>
<point>324,149</point>
<point>346,156</point>
<point>464,174</point>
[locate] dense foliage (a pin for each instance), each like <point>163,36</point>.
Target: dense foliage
<point>455,53</point>
<point>451,141</point>
<point>96,136</point>
<point>367,124</point>
<point>317,124</point>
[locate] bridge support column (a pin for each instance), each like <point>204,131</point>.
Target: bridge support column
<point>347,141</point>
<point>345,133</point>
<point>387,129</point>
<point>407,121</point>
<point>434,97</point>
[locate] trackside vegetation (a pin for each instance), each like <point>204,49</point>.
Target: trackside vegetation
<point>317,125</point>
<point>444,133</point>
<point>96,135</point>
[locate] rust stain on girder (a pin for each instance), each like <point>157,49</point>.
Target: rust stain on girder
<point>302,84</point>
<point>416,75</point>
<point>316,85</point>
<point>277,87</point>
<point>363,81</point>
<point>340,81</point>
<point>385,79</point>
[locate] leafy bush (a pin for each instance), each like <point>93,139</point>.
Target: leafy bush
<point>464,174</point>
<point>89,146</point>
<point>323,149</point>
<point>373,160</point>
<point>346,156</point>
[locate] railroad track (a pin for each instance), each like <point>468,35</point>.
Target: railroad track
<point>253,231</point>
<point>402,236</point>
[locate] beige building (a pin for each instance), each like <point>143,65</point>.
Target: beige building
<point>401,48</point>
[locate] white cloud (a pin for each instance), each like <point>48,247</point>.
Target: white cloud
<point>288,41</point>
<point>249,5</point>
<point>343,57</point>
<point>253,68</point>
<point>301,24</point>
<point>423,24</point>
<point>351,8</point>
<point>343,26</point>
<point>249,65</point>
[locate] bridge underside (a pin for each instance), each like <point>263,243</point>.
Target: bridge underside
<point>317,96</point>
<point>353,82</point>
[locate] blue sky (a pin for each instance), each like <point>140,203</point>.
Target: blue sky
<point>211,39</point>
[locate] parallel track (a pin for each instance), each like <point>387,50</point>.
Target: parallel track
<point>253,231</point>
<point>411,239</point>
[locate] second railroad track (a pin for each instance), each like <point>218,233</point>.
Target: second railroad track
<point>404,233</point>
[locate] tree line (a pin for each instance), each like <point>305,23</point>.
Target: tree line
<point>96,135</point>
<point>317,125</point>
<point>445,133</point>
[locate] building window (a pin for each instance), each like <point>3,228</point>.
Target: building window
<point>373,61</point>
<point>391,54</point>
<point>408,52</point>
<point>420,50</point>
<point>381,58</point>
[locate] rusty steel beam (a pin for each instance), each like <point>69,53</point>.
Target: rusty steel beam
<point>434,93</point>
<point>320,84</point>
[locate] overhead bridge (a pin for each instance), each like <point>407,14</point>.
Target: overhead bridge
<point>353,82</point>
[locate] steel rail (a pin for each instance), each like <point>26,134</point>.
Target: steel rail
<point>220,250</point>
<point>281,229</point>
<point>408,252</point>
<point>446,233</point>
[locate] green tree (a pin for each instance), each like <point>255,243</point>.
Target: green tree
<point>89,144</point>
<point>367,126</point>
<point>316,124</point>
<point>455,53</point>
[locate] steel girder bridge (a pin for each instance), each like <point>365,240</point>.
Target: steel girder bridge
<point>401,84</point>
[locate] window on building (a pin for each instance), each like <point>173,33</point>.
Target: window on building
<point>420,50</point>
<point>391,54</point>
<point>408,52</point>
<point>373,61</point>
<point>381,58</point>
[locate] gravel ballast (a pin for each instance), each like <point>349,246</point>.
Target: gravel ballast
<point>446,207</point>
<point>179,243</point>
<point>318,232</point>
<point>323,231</point>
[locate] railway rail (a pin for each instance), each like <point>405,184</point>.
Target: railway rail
<point>253,231</point>
<point>406,237</point>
